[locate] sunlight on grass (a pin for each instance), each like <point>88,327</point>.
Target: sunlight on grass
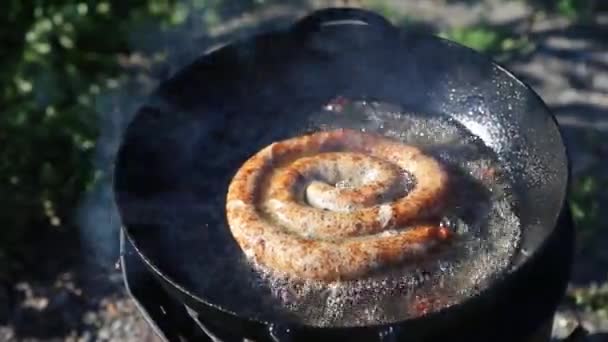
<point>385,9</point>
<point>478,38</point>
<point>481,37</point>
<point>487,39</point>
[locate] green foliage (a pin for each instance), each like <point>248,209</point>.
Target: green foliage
<point>57,58</point>
<point>487,39</point>
<point>586,200</point>
<point>568,8</point>
<point>571,9</point>
<point>584,205</point>
<point>47,126</point>
<point>478,38</point>
<point>593,298</point>
<point>62,55</point>
<point>385,9</point>
<point>481,37</point>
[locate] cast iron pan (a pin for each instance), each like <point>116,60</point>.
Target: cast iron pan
<point>262,89</point>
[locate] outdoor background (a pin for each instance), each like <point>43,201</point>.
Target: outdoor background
<point>73,72</point>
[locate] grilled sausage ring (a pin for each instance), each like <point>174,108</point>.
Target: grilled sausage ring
<point>336,205</point>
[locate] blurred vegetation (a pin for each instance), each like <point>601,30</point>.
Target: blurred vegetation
<point>57,57</point>
<point>500,43</point>
<point>482,37</point>
<point>572,9</point>
<point>592,299</point>
<point>585,207</point>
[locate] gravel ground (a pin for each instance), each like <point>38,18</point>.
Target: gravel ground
<point>569,69</point>
<point>68,311</point>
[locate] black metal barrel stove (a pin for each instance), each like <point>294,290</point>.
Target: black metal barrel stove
<point>173,170</point>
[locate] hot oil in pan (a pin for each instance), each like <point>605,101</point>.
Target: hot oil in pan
<point>480,210</point>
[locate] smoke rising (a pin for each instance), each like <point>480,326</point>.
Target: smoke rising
<point>156,53</point>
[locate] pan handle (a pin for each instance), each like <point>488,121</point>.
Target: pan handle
<point>342,16</point>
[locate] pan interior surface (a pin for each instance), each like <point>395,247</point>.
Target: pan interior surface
<point>182,150</point>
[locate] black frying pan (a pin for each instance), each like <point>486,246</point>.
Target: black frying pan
<point>173,170</point>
